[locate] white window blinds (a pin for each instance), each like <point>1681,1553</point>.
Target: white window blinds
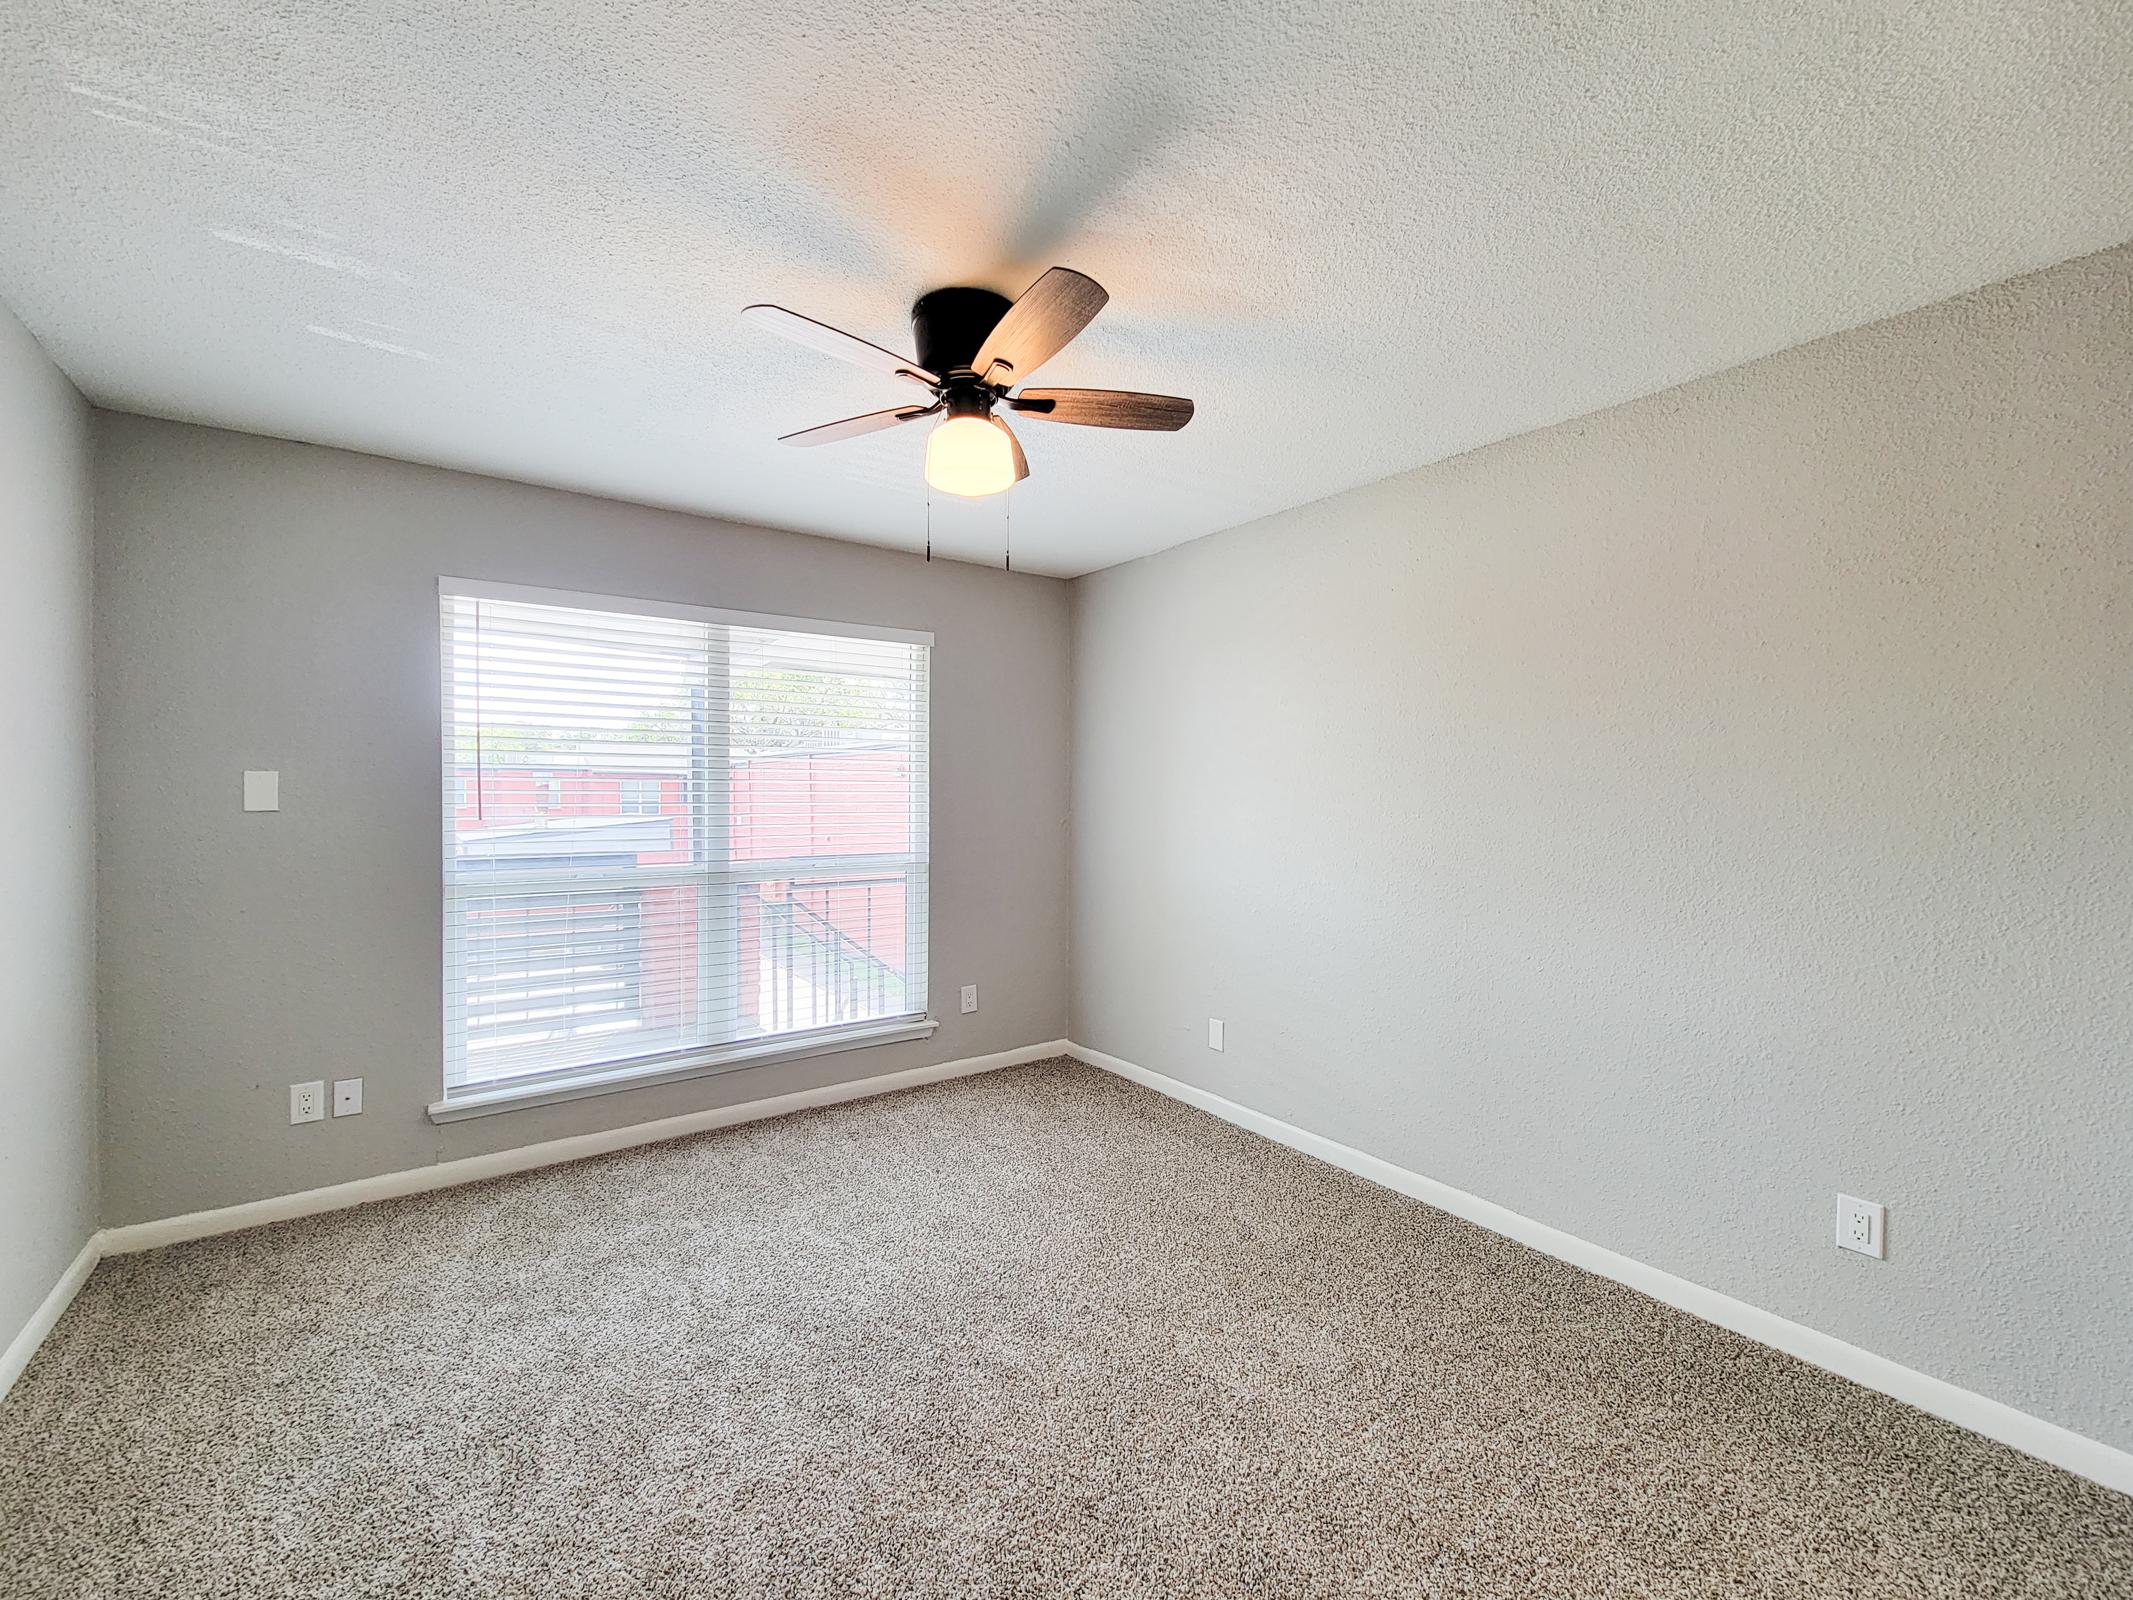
<point>671,832</point>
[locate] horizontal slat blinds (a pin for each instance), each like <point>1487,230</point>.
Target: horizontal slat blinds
<point>668,831</point>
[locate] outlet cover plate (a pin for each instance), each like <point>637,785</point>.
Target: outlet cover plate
<point>307,1101</point>
<point>970,998</point>
<point>1862,1226</point>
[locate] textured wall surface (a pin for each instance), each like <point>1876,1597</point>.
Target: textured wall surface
<point>47,890</point>
<point>1658,823</point>
<point>264,604</point>
<point>513,238</point>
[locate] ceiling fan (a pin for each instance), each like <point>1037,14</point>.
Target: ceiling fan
<point>974,346</point>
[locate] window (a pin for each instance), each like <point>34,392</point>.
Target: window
<point>741,869</point>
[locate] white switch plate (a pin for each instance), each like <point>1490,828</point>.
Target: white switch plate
<point>262,791</point>
<point>307,1101</point>
<point>1862,1226</point>
<point>970,998</point>
<point>1214,1033</point>
<point>348,1097</point>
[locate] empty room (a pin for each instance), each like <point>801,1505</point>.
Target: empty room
<point>1196,799</point>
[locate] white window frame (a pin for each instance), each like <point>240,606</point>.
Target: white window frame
<point>711,804</point>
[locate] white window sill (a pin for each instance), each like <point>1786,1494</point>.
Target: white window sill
<point>670,1069</point>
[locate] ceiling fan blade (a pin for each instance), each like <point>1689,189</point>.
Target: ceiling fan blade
<point>853,427</point>
<point>1105,408</point>
<point>836,342</point>
<point>1037,326</point>
<point>1021,461</point>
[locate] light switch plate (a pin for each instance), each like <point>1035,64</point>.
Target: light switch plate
<point>348,1097</point>
<point>262,791</point>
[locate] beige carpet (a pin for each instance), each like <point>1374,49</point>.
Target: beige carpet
<point>1036,1333</point>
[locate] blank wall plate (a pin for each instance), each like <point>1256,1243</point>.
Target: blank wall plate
<point>348,1097</point>
<point>1862,1226</point>
<point>1214,1033</point>
<point>262,791</point>
<point>307,1101</point>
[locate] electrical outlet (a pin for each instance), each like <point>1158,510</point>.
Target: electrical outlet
<point>307,1101</point>
<point>970,998</point>
<point>348,1097</point>
<point>1214,1033</point>
<point>1862,1226</point>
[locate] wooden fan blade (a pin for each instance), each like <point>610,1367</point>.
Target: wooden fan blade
<point>836,342</point>
<point>1105,408</point>
<point>853,427</point>
<point>1021,461</point>
<point>1037,326</point>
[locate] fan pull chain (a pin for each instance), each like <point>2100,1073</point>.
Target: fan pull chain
<point>1007,529</point>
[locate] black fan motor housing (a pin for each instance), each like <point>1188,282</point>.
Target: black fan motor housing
<point>948,325</point>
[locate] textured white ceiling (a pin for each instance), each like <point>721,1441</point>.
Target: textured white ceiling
<point>513,237</point>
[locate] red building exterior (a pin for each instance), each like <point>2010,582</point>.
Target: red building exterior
<point>817,942</point>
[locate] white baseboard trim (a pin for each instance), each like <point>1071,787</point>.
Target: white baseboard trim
<point>2062,1447</point>
<point>472,1169</point>
<point>25,1343</point>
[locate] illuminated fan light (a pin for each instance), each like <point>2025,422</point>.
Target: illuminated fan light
<point>971,457</point>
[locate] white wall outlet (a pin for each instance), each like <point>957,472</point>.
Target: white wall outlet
<point>1862,1226</point>
<point>262,791</point>
<point>348,1097</point>
<point>970,998</point>
<point>1214,1033</point>
<point>307,1101</point>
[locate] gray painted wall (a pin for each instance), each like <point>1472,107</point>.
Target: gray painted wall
<point>266,604</point>
<point>1660,822</point>
<point>48,1154</point>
